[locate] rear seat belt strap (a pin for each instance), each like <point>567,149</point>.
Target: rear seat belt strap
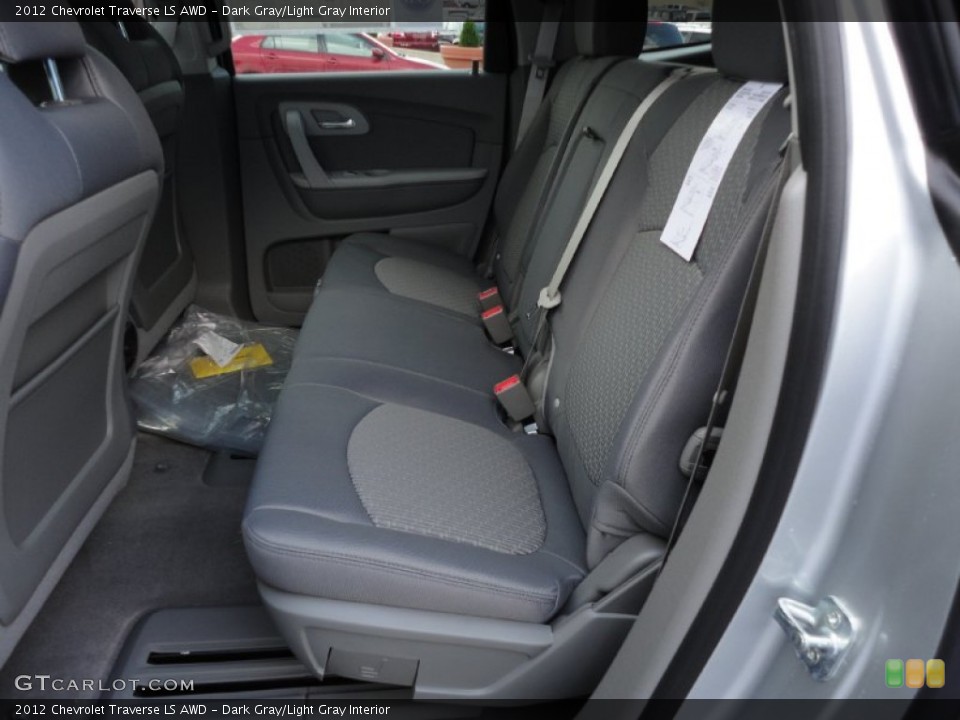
<point>564,155</point>
<point>541,62</point>
<point>741,334</point>
<point>550,295</point>
<point>561,157</point>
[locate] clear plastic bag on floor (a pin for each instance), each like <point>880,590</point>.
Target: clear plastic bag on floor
<point>183,394</point>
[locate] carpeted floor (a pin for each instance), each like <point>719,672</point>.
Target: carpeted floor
<point>168,540</point>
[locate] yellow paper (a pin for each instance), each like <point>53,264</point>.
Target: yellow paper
<point>249,357</point>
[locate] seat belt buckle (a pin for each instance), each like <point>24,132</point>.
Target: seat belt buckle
<point>515,399</point>
<point>489,298</point>
<point>497,325</point>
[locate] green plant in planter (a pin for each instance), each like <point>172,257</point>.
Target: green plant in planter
<point>468,35</point>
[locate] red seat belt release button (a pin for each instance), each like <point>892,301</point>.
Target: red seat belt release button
<point>515,399</point>
<point>489,298</point>
<point>497,325</point>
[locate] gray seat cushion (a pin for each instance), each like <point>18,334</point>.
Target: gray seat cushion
<point>383,331</point>
<point>405,268</point>
<point>378,502</point>
<point>423,473</point>
<point>419,281</point>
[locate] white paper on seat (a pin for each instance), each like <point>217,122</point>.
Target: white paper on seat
<point>218,348</point>
<point>702,182</point>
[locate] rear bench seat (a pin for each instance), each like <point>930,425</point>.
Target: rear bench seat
<point>403,533</point>
<point>418,308</point>
<point>428,275</point>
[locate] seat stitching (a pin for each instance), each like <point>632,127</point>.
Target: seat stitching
<point>275,507</point>
<point>437,310</point>
<point>394,568</point>
<point>334,387</point>
<point>561,558</point>
<point>91,76</point>
<point>280,507</point>
<point>76,161</point>
<point>362,361</point>
<point>346,461</point>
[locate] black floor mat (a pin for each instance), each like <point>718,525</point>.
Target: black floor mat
<point>168,540</point>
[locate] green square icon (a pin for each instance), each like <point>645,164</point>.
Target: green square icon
<point>894,673</point>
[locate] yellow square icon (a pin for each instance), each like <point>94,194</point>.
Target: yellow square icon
<point>936,673</point>
<point>914,674</point>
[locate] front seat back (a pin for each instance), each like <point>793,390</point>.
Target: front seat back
<point>80,175</point>
<point>166,279</point>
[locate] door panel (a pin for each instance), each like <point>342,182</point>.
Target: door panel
<point>322,156</point>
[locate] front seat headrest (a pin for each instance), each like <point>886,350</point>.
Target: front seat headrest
<point>610,28</point>
<point>26,41</point>
<point>749,50</point>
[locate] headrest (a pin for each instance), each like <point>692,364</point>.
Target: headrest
<point>25,41</point>
<point>610,27</point>
<point>749,50</point>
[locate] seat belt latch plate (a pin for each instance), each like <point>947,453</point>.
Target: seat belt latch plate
<point>542,66</point>
<point>489,298</point>
<point>549,299</point>
<point>497,325</point>
<point>515,399</point>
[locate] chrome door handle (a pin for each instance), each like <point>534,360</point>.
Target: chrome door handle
<point>348,124</point>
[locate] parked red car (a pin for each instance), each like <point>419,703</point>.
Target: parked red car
<point>416,40</point>
<point>319,52</point>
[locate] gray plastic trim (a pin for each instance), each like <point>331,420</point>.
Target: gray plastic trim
<point>300,121</point>
<point>313,175</point>
<point>382,179</point>
<point>355,121</point>
<point>189,634</point>
<point>10,634</point>
<point>632,558</point>
<point>66,356</point>
<point>448,656</point>
<point>54,491</point>
<point>147,340</point>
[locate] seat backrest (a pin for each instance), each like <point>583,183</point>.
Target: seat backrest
<point>641,336</point>
<point>80,174</point>
<point>165,277</point>
<point>604,118</point>
<point>534,169</point>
